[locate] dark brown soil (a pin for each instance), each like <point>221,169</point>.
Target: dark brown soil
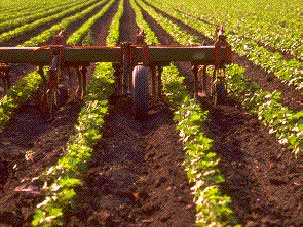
<point>101,27</point>
<point>263,179</point>
<point>135,177</point>
<point>290,97</point>
<point>28,145</point>
<point>128,25</point>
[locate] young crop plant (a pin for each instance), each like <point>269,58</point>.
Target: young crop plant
<point>113,37</point>
<point>6,36</point>
<point>45,36</point>
<point>63,178</point>
<point>42,13</point>
<point>143,25</point>
<point>289,72</point>
<point>201,164</point>
<point>284,123</point>
<point>17,96</point>
<point>250,21</point>
<point>170,27</point>
<point>76,37</point>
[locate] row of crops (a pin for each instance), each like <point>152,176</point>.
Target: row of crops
<point>256,21</point>
<point>282,121</point>
<point>247,38</point>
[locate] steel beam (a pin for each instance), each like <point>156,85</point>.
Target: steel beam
<point>156,54</point>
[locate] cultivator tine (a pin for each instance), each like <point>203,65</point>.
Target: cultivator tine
<point>154,81</point>
<point>4,75</point>
<point>196,86</point>
<point>126,68</point>
<point>125,57</point>
<point>159,73</point>
<point>83,80</point>
<point>118,79</point>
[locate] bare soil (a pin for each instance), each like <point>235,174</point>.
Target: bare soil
<point>135,177</point>
<point>263,179</point>
<point>136,172</point>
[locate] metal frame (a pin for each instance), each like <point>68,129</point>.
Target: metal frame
<point>124,57</point>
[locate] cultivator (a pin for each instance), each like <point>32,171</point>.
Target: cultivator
<point>133,64</point>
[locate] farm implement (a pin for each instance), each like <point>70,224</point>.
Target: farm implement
<point>135,65</point>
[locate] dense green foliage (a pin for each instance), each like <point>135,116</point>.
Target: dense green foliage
<point>288,71</point>
<point>62,179</point>
<point>275,23</point>
<point>52,8</point>
<point>17,95</point>
<point>63,24</point>
<point>201,164</point>
<point>24,28</point>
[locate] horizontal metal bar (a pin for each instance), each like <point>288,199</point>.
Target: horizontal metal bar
<point>202,54</point>
<point>24,55</point>
<point>36,55</point>
<point>92,54</point>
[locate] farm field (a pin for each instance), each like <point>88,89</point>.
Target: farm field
<point>190,163</point>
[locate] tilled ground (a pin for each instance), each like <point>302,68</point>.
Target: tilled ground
<point>263,179</point>
<point>135,177</point>
<point>30,143</point>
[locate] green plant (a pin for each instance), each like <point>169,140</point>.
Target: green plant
<point>17,95</point>
<point>201,163</point>
<point>284,123</point>
<point>76,37</point>
<point>212,207</point>
<point>63,178</point>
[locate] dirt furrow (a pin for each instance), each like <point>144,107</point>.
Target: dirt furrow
<point>128,25</point>
<point>99,30</point>
<point>290,97</point>
<point>135,177</point>
<point>29,144</point>
<point>262,178</point>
